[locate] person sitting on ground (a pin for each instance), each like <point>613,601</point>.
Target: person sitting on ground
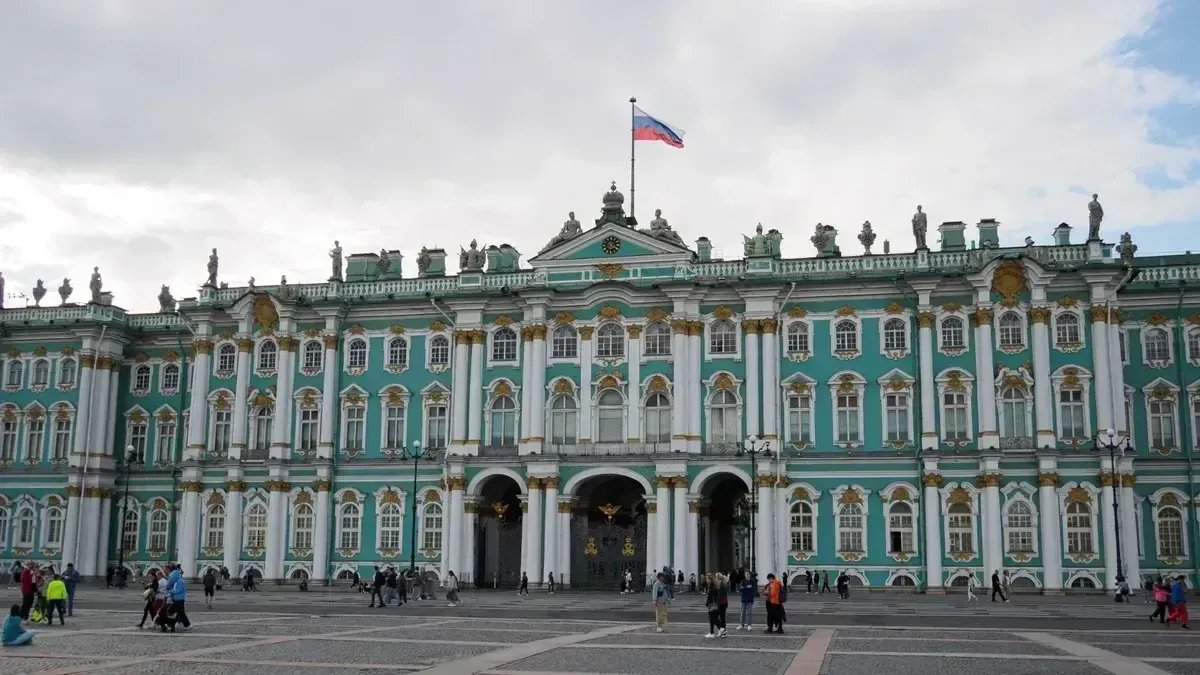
<point>13,635</point>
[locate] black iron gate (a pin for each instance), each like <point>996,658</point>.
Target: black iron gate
<point>606,544</point>
<point>502,569</point>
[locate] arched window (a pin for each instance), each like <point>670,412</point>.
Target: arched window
<point>431,529</point>
<point>961,529</point>
<point>256,526</point>
<point>170,378</point>
<point>802,534</point>
<point>66,373</point>
<point>722,337</point>
<point>900,528</point>
<point>52,536</point>
<point>214,527</point>
<point>895,335</point>
<point>503,421</point>
<point>902,580</point>
<point>1079,528</point>
<point>850,528</point>
<point>564,343</point>
<point>564,420</point>
<point>314,355</point>
<point>799,418</point>
<point>610,417</point>
<point>62,436</point>
<point>658,418</point>
<point>141,378</point>
<point>1162,423</point>
<point>158,530</point>
<point>8,437</point>
<point>656,340</point>
<point>1170,532</point>
<point>390,524</point>
<point>723,424</point>
<point>397,352</point>
<point>610,341</point>
<point>137,433</point>
<point>1083,582</point>
<point>24,528</point>
<point>953,335</point>
<point>797,338</point>
<point>845,336</point>
<point>504,345</point>
<point>132,531</point>
<point>1012,413</point>
<point>1158,346</point>
<point>302,526</point>
<point>1018,526</point>
<point>16,373</point>
<point>1193,342</point>
<point>356,353</point>
<point>41,373</point>
<point>227,359</point>
<point>349,521</point>
<point>268,354</point>
<point>1066,329</point>
<point>1012,330</point>
<point>260,444</point>
<point>439,351</point>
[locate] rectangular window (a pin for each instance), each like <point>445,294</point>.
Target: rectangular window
<point>1070,412</point>
<point>165,447</point>
<point>954,416</point>
<point>610,424</point>
<point>1162,424</point>
<point>355,427</point>
<point>62,439</point>
<point>847,420</point>
<point>435,426</point>
<point>800,419</point>
<point>658,424</point>
<point>902,533</point>
<point>896,408</point>
<point>222,430</point>
<point>137,438</point>
<point>310,428</point>
<point>8,441</point>
<point>35,438</point>
<point>394,435</point>
<point>215,528</point>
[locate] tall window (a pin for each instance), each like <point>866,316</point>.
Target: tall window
<point>310,428</point>
<point>41,373</point>
<point>256,526</point>
<point>960,529</point>
<point>802,528</point>
<point>504,345</point>
<point>1019,527</point>
<point>1012,330</point>
<point>1122,339</point>
<point>137,437</point>
<point>268,355</point>
<point>1193,342</point>
<point>16,373</point>
<point>503,421</point>
<point>164,447</point>
<point>390,523</point>
<point>1071,413</point>
<point>263,421</point>
<point>610,341</point>
<point>722,337</point>
<point>845,336</point>
<point>723,418</point>
<point>35,437</point>
<point>896,411</point>
<point>954,416</point>
<point>52,537</point>
<point>797,338</point>
<point>610,417</point>
<point>895,335</point>
<point>314,356</point>
<point>431,532</point>
<point>799,418</point>
<point>24,528</point>
<point>214,527</point>
<point>8,440</point>
<point>302,526</point>
<point>1079,528</point>
<point>355,425</point>
<point>850,528</point>
<point>1162,424</point>
<point>397,352</point>
<point>1012,408</point>
<point>1170,533</point>
<point>900,528</point>
<point>141,378</point>
<point>564,420</point>
<point>158,530</point>
<point>847,418</point>
<point>564,343</point>
<point>66,373</point>
<point>658,418</point>
<point>1158,346</point>
<point>657,339</point>
<point>439,351</point>
<point>349,521</point>
<point>394,421</point>
<point>62,437</point>
<point>356,353</point>
<point>170,377</point>
<point>435,426</point>
<point>222,429</point>
<point>953,335</point>
<point>227,358</point>
<point>130,535</point>
<point>1066,329</point>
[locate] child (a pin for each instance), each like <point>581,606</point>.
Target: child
<point>13,635</point>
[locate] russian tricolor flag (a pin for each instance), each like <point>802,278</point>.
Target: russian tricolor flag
<point>647,128</point>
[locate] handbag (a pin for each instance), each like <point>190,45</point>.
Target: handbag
<point>714,607</point>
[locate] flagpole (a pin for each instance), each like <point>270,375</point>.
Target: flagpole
<point>632,160</point>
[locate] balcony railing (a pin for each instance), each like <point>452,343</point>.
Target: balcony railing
<point>607,449</point>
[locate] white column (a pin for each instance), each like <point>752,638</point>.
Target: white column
<point>71,527</point>
<point>321,531</point>
<point>985,376</point>
<point>197,417</point>
<point>79,444</point>
<point>90,513</point>
<point>1129,532</point>
<point>993,540</point>
<point>585,384</point>
<point>277,506</point>
<point>933,533</point>
<point>281,424</point>
<point>452,546</point>
<point>652,564</point>
<point>459,397</point>
<point>534,544</point>
<point>695,333</point>
<point>770,379</point>
<point>564,543</point>
<point>1116,374</point>
<point>526,520</point>
<point>765,544</point>
<point>679,387</point>
<point>550,560</point>
<point>1108,522</point>
<point>635,384</point>
<point>537,393</point>
<point>241,409</point>
<point>1043,399</point>
<point>929,436</point>
<point>527,384</point>
<point>235,487</point>
<point>475,404</point>
<point>102,381</point>
<point>110,427</point>
<point>662,554</point>
<point>693,538</point>
<point>753,368</point>
<point>782,525</point>
<point>102,543</point>
<point>329,397</point>
<point>679,496</point>
<point>1050,525</point>
<point>1100,363</point>
<point>188,537</point>
<point>466,565</point>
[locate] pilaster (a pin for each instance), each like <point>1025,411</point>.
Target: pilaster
<point>663,499</point>
<point>550,537</point>
<point>695,335</point>
<point>932,481</point>
<point>198,407</point>
<point>765,544</point>
<point>278,488</point>
<point>1050,523</point>
<point>235,488</point>
<point>985,368</point>
<point>475,404</point>
<point>679,386</point>
<point>680,511</point>
<point>1043,400</point>
<point>533,545</point>
<point>770,379</point>
<point>460,396</point>
<point>993,539</point>
<point>241,408</point>
<point>585,384</point>
<point>752,328</point>
<point>634,398</point>
<point>329,396</point>
<point>1108,521</point>
<point>321,535</point>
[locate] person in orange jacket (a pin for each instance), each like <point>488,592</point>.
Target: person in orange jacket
<point>774,595</point>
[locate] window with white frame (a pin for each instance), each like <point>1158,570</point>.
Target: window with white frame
<point>256,526</point>
<point>953,333</point>
<point>15,374</point>
<point>397,353</point>
<point>395,420</point>
<point>564,343</point>
<point>354,422</point>
<point>356,354</point>
<point>895,335</point>
<point>1066,330</point>
<point>41,373</point>
<point>960,527</point>
<point>798,338</point>
<point>564,420</point>
<point>62,437</point>
<point>158,530</point>
<point>610,417</point>
<point>52,535</point>
<point>3,526</point>
<point>214,527</point>
<point>1013,413</point>
<point>1156,344</point>
<point>302,526</point>
<point>268,356</point>
<point>845,336</point>
<point>850,528</point>
<point>8,440</point>
<point>1193,344</point>
<point>801,528</point>
<point>1012,331</point>
<point>24,527</point>
<point>610,341</point>
<point>799,418</point>
<point>435,426</point>
<point>349,524</point>
<point>1123,341</point>
<point>314,356</point>
<point>169,378</point>
<point>131,532</point>
<point>66,373</point>
<point>138,431</point>
<point>895,411</point>
<point>310,428</point>
<point>391,523</point>
<point>1169,530</point>
<point>900,528</point>
<point>1072,412</point>
<point>227,358</point>
<point>431,529</point>
<point>722,337</point>
<point>222,430</point>
<point>35,436</point>
<point>1162,423</point>
<point>502,422</point>
<point>1019,526</point>
<point>164,446</point>
<point>260,442</point>
<point>1196,414</point>
<point>656,341</point>
<point>658,418</point>
<point>439,351</point>
<point>723,418</point>
<point>141,378</point>
<point>504,345</point>
<point>955,416</point>
<point>1079,529</point>
<point>847,413</point>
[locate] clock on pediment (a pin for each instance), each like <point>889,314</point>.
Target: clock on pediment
<point>610,245</point>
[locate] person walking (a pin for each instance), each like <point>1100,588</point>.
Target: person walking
<point>402,580</point>
<point>550,584</point>
<point>391,583</point>
<point>661,599</point>
<point>748,589</point>
<point>28,589</point>
<point>452,588</point>
<point>710,604</point>
<point>1161,597</point>
<point>377,583</point>
<point>774,597</point>
<point>150,596</point>
<point>56,598</point>
<point>825,583</point>
<point>1179,612</point>
<point>997,588</point>
<point>71,579</point>
<point>178,597</point>
<point>210,586</point>
<point>13,634</point>
<point>1006,584</point>
<point>808,581</point>
<point>524,588</point>
<point>629,580</point>
<point>162,598</point>
<point>108,577</point>
<point>971,586</point>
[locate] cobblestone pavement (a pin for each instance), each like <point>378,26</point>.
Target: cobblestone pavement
<point>271,633</point>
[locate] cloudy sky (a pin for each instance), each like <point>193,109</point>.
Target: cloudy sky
<point>136,135</point>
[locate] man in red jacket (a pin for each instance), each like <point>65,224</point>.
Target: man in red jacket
<point>28,590</point>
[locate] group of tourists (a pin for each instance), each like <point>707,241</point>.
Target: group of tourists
<point>43,592</point>
<point>718,587</point>
<point>165,595</point>
<point>1170,598</point>
<point>389,585</point>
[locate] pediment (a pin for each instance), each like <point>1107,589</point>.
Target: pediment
<point>611,243</point>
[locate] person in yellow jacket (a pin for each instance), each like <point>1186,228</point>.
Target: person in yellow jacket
<point>56,598</point>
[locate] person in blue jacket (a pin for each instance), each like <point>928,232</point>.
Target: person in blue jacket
<point>749,590</point>
<point>178,592</point>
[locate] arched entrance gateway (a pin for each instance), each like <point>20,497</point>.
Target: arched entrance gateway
<point>726,519</point>
<point>497,534</point>
<point>608,532</point>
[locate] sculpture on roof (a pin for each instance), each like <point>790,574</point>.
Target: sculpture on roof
<point>471,260</point>
<point>660,228</point>
<point>96,285</point>
<point>1095,215</point>
<point>613,210</point>
<point>213,262</point>
<point>383,262</point>
<point>1128,248</point>
<point>335,257</point>
<point>65,290</point>
<point>570,230</point>
<point>867,237</point>
<point>1,290</point>
<point>920,226</point>
<point>39,292</point>
<point>757,245</point>
<point>166,301</point>
<point>423,259</point>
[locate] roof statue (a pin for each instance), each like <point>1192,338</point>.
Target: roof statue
<point>65,290</point>
<point>166,301</point>
<point>825,241</point>
<point>213,263</point>
<point>569,231</point>
<point>756,245</point>
<point>1128,248</point>
<point>383,261</point>
<point>920,226</point>
<point>471,260</point>
<point>866,237</point>
<point>39,292</point>
<point>661,229</point>
<point>96,286</point>
<point>1,290</point>
<point>613,211</point>
<point>1095,215</point>
<point>335,258</point>
<point>423,261</point>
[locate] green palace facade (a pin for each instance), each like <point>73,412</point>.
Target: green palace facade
<point>625,401</point>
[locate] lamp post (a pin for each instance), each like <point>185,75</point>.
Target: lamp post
<point>415,454</point>
<point>1116,446</point>
<point>753,448</point>
<point>131,456</point>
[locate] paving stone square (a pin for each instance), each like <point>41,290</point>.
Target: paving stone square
<point>837,664</point>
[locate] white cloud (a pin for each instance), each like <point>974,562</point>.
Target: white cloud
<point>135,137</point>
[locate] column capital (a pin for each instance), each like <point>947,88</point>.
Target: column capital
<point>679,326</point>
<point>456,483</point>
<point>925,319</point>
<point>550,482</point>
<point>274,485</point>
<point>1128,480</point>
<point>73,491</point>
<point>235,486</point>
<point>585,332</point>
<point>635,331</point>
<point>982,316</point>
<point>330,342</point>
<point>539,331</point>
<point>1048,479</point>
<point>651,507</point>
<point>695,328</point>
<point>765,481</point>
<point>478,337</point>
<point>533,483</point>
<point>988,480</point>
<point>768,326</point>
<point>662,481</point>
<point>527,333</point>
<point>751,326</point>
<point>470,507</point>
<point>693,506</point>
<point>1099,313</point>
<point>191,486</point>
<point>87,361</point>
<point>1107,479</point>
<point>933,480</point>
<point>1039,315</point>
<point>245,345</point>
<point>322,485</point>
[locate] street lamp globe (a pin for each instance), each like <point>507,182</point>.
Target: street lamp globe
<point>1111,433</point>
<point>130,452</point>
